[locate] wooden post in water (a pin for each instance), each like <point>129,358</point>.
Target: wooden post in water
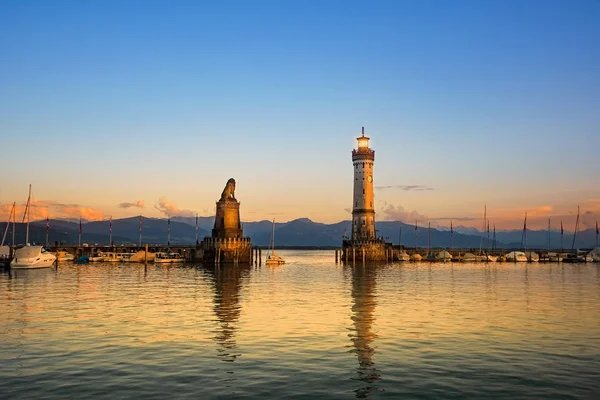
<point>363,254</point>
<point>336,256</point>
<point>259,256</point>
<point>346,254</point>
<point>353,254</point>
<point>146,253</point>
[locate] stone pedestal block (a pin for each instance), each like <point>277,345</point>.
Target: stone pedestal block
<point>227,220</point>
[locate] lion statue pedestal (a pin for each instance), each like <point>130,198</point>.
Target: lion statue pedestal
<point>227,220</point>
<point>227,243</point>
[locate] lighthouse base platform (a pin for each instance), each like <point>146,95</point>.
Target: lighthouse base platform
<point>366,250</point>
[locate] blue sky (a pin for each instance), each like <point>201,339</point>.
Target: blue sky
<point>487,102</point>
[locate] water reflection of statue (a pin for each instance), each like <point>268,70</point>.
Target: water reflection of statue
<point>227,284</point>
<point>363,308</point>
<point>229,191</point>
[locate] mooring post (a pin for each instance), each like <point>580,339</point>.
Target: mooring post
<point>363,254</point>
<point>353,254</point>
<point>259,256</point>
<point>346,254</point>
<point>336,256</point>
<point>146,253</point>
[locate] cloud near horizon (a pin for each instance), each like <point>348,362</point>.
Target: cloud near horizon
<point>41,209</point>
<point>398,213</point>
<point>170,209</point>
<point>138,204</point>
<point>406,188</point>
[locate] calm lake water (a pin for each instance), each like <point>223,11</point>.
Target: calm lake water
<point>308,329</point>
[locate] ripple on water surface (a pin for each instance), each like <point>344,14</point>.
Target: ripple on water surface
<point>307,329</point>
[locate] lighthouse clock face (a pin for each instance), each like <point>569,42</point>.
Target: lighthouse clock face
<point>370,178</point>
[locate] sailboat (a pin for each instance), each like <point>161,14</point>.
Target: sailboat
<point>30,257</point>
<point>574,257</point>
<point>486,228</point>
<point>272,258</point>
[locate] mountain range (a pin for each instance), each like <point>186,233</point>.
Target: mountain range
<point>296,233</point>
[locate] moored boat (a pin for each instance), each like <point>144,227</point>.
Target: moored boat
<point>125,256</point>
<point>573,259</point>
<point>555,257</point>
<point>470,257</point>
<point>516,256</point>
<point>444,256</point>
<point>110,256</point>
<point>168,258</point>
<point>62,256</point>
<point>4,253</point>
<point>30,257</point>
<point>532,256</point>
<point>272,258</point>
<point>489,258</point>
<point>141,257</point>
<point>403,256</point>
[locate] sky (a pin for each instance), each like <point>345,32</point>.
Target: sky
<point>122,108</point>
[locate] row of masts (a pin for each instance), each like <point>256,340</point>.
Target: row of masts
<point>486,229</point>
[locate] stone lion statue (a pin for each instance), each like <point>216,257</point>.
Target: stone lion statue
<point>229,191</point>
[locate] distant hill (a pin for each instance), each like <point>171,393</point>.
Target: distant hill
<point>299,232</point>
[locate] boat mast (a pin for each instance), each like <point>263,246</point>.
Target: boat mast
<point>26,214</point>
<point>429,240</point>
<point>483,232</point>
<point>524,234</point>
<point>196,228</point>
<point>13,225</point>
<point>488,240</point>
<point>400,235</point>
<point>548,234</point>
<point>273,237</point>
<point>576,227</point>
<point>451,238</point>
<point>141,232</point>
<point>12,210</point>
<point>416,235</point>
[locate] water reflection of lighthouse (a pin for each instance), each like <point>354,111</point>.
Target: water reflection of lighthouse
<point>363,309</point>
<point>227,286</point>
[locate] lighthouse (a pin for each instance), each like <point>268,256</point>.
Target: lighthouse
<point>363,210</point>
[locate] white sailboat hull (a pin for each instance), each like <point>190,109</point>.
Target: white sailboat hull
<point>44,261</point>
<point>403,257</point>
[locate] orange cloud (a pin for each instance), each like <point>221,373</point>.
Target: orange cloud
<point>138,204</point>
<point>41,209</point>
<point>170,209</point>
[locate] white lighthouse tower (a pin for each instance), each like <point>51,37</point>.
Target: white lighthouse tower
<point>363,210</point>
